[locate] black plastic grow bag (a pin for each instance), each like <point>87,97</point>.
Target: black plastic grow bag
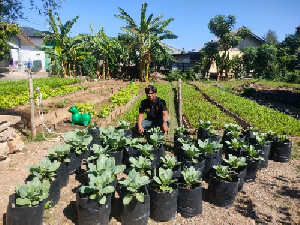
<point>163,206</point>
<point>281,151</point>
<point>23,215</point>
<point>189,201</point>
<point>221,192</point>
<point>118,155</point>
<point>63,175</point>
<point>54,192</point>
<point>264,152</point>
<point>251,170</point>
<point>91,212</point>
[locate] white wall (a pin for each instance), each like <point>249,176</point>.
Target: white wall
<point>23,56</point>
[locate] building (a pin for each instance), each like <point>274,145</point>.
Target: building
<point>23,50</point>
<point>187,60</point>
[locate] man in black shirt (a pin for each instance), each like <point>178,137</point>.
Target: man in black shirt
<point>157,114</point>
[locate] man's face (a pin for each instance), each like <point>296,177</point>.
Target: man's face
<point>151,96</point>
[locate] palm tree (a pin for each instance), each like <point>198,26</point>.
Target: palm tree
<point>149,32</point>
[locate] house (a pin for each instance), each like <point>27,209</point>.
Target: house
<point>23,50</point>
<point>187,60</point>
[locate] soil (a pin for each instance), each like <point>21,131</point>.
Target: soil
<point>273,198</point>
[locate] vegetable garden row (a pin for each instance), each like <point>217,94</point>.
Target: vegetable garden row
<point>259,116</point>
<point>14,93</point>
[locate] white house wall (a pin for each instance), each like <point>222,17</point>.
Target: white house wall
<point>21,57</point>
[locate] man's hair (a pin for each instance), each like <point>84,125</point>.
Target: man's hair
<point>150,88</point>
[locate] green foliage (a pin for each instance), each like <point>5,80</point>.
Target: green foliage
<point>190,177</point>
<point>14,93</point>
<point>7,31</point>
<point>156,139</point>
<point>123,125</point>
<point>46,170</point>
<point>266,61</point>
<point>88,107</point>
<point>208,146</point>
<point>78,139</point>
<point>145,149</point>
<point>181,130</point>
<point>124,95</point>
<point>195,107</point>
<point>141,164</point>
<point>261,138</point>
<point>134,184</point>
<point>223,172</point>
<point>99,186</point>
<point>147,36</point>
<point>252,153</point>
<point>169,162</point>
<point>114,138</point>
<point>104,164</point>
<point>249,91</point>
<point>205,125</point>
<point>164,182</point>
<point>60,153</point>
<point>235,162</point>
<point>174,75</point>
<point>259,116</point>
<point>104,112</point>
<point>32,193</point>
<point>235,144</point>
<point>283,138</point>
<point>191,151</point>
<point>249,57</point>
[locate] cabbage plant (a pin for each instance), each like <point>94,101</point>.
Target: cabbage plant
<point>46,170</point>
<point>60,153</point>
<point>164,181</point>
<point>235,162</point>
<point>252,153</point>
<point>223,172</point>
<point>191,151</point>
<point>208,146</point>
<point>141,164</point>
<point>169,162</point>
<point>134,184</point>
<point>191,177</point>
<point>32,193</point>
<point>79,140</point>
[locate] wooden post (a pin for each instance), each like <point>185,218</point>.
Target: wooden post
<point>30,84</point>
<point>179,103</point>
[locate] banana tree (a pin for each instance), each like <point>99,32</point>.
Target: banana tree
<point>60,38</point>
<point>149,31</point>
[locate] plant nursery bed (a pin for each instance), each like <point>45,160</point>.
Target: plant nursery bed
<point>273,198</point>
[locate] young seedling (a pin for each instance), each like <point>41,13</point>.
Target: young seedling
<point>133,184</point>
<point>164,182</point>
<point>223,172</point>
<point>209,146</point>
<point>190,177</point>
<point>235,162</point>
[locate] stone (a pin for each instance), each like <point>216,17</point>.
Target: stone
<point>4,150</point>
<point>15,144</point>
<point>7,134</point>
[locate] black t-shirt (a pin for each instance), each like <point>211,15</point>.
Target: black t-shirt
<point>154,110</point>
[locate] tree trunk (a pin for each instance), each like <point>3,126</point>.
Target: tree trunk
<point>103,71</point>
<point>141,68</point>
<point>108,73</point>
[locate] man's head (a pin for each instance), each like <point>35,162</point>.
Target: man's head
<point>151,92</point>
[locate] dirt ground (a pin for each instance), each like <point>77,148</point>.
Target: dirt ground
<point>272,199</point>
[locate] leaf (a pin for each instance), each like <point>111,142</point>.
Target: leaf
<point>127,199</point>
<point>140,197</point>
<point>23,201</point>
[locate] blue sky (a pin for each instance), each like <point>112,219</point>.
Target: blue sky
<point>191,17</point>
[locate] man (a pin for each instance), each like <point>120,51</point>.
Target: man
<point>157,114</point>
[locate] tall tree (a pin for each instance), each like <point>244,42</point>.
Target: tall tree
<point>271,37</point>
<point>149,32</point>
<point>7,31</point>
<point>60,53</point>
<point>11,10</point>
<point>222,26</point>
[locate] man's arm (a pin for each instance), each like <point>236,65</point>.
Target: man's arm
<point>165,127</point>
<point>140,119</point>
